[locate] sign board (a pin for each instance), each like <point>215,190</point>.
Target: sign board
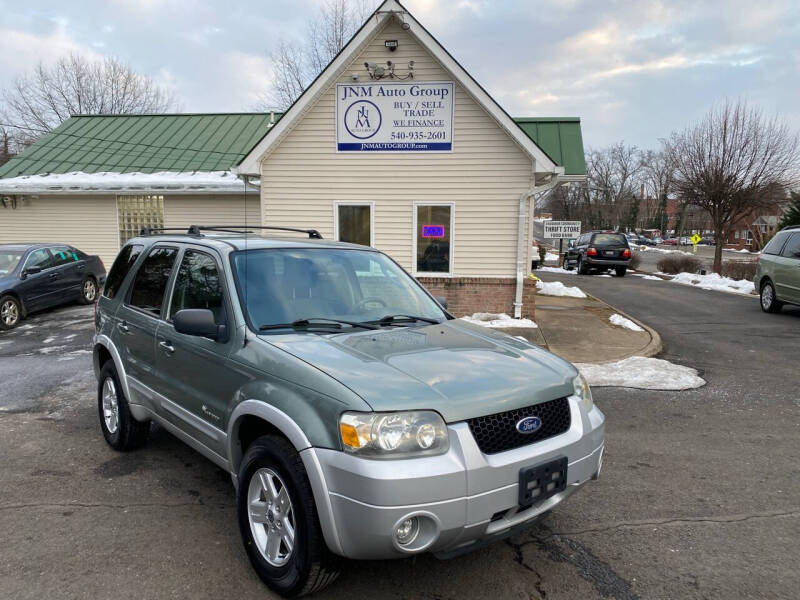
<point>696,239</point>
<point>433,231</point>
<point>561,230</point>
<point>394,117</point>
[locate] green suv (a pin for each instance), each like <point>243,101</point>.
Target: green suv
<point>356,417</point>
<point>777,275</point>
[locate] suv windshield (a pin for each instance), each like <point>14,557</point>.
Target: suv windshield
<point>609,239</point>
<point>9,259</point>
<point>284,286</point>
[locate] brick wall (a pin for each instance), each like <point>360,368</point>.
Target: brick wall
<point>467,295</point>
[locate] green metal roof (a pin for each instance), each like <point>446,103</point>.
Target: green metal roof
<point>142,143</point>
<point>560,138</point>
<point>211,142</point>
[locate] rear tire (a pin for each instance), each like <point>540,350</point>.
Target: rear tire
<point>769,301</point>
<point>88,290</point>
<point>121,430</point>
<point>306,567</point>
<point>10,313</point>
<point>621,271</point>
<point>582,270</point>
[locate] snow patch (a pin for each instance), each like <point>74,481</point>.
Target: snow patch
<point>108,180</point>
<point>498,320</point>
<point>714,281</point>
<point>621,321</point>
<point>550,257</point>
<point>49,340</point>
<point>642,373</point>
<point>556,270</point>
<point>556,288</point>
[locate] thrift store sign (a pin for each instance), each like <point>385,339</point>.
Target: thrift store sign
<point>394,117</point>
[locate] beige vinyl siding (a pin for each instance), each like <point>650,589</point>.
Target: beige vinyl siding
<point>484,175</point>
<point>88,223</point>
<point>182,211</point>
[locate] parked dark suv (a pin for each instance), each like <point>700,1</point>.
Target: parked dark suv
<point>38,276</point>
<point>599,250</point>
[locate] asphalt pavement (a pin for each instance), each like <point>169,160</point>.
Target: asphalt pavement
<point>698,497</point>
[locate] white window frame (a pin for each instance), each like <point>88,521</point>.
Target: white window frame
<point>371,205</point>
<point>414,207</point>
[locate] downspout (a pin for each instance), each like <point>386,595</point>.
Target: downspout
<point>522,237</point>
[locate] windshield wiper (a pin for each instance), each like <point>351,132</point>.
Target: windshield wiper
<point>389,319</point>
<point>322,323</point>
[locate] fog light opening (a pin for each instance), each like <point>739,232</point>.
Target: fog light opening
<point>406,532</point>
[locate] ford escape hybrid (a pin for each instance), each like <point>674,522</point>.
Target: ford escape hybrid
<point>357,418</point>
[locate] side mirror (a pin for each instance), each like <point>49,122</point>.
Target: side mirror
<point>199,322</point>
<point>31,271</point>
<point>572,243</point>
<point>442,301</point>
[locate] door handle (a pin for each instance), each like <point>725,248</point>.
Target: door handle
<point>166,347</point>
<point>123,326</point>
<point>53,275</point>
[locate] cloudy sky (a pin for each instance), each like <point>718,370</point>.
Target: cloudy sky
<point>632,71</point>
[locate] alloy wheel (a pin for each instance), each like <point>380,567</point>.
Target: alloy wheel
<point>9,313</point>
<point>767,297</point>
<point>89,290</point>
<point>110,406</point>
<point>271,516</point>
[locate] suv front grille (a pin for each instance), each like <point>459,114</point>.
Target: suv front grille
<point>498,432</point>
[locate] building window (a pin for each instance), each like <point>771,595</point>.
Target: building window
<point>136,212</point>
<point>354,223</point>
<point>433,225</point>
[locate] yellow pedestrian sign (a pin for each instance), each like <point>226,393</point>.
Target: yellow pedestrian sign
<point>695,240</point>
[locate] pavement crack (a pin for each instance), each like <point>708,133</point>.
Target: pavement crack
<point>109,505</point>
<point>678,521</point>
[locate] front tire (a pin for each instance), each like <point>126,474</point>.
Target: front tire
<point>10,313</point>
<point>120,429</point>
<point>565,264</point>
<point>278,520</point>
<point>769,301</point>
<point>88,290</point>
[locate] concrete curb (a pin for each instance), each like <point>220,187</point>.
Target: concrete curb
<point>653,348</point>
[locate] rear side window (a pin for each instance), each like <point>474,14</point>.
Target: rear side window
<point>609,239</point>
<point>147,292</point>
<point>792,248</point>
<point>776,243</point>
<point>122,264</point>
<point>198,285</point>
<point>63,255</point>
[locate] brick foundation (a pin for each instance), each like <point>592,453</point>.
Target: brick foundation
<point>467,295</point>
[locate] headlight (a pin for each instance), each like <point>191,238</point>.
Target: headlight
<point>394,435</point>
<point>583,391</point>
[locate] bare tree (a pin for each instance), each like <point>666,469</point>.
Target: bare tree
<point>38,102</point>
<point>613,180</point>
<point>297,64</point>
<point>658,178</point>
<point>731,163</point>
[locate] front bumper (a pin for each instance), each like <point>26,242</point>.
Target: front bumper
<point>463,498</point>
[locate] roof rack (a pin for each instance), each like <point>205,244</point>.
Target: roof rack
<point>197,229</point>
<point>157,230</point>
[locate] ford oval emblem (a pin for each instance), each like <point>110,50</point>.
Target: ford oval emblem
<point>529,424</point>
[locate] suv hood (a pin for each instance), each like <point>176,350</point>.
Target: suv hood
<point>456,368</point>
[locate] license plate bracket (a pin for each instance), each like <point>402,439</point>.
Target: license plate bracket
<point>609,253</point>
<point>539,482</point>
